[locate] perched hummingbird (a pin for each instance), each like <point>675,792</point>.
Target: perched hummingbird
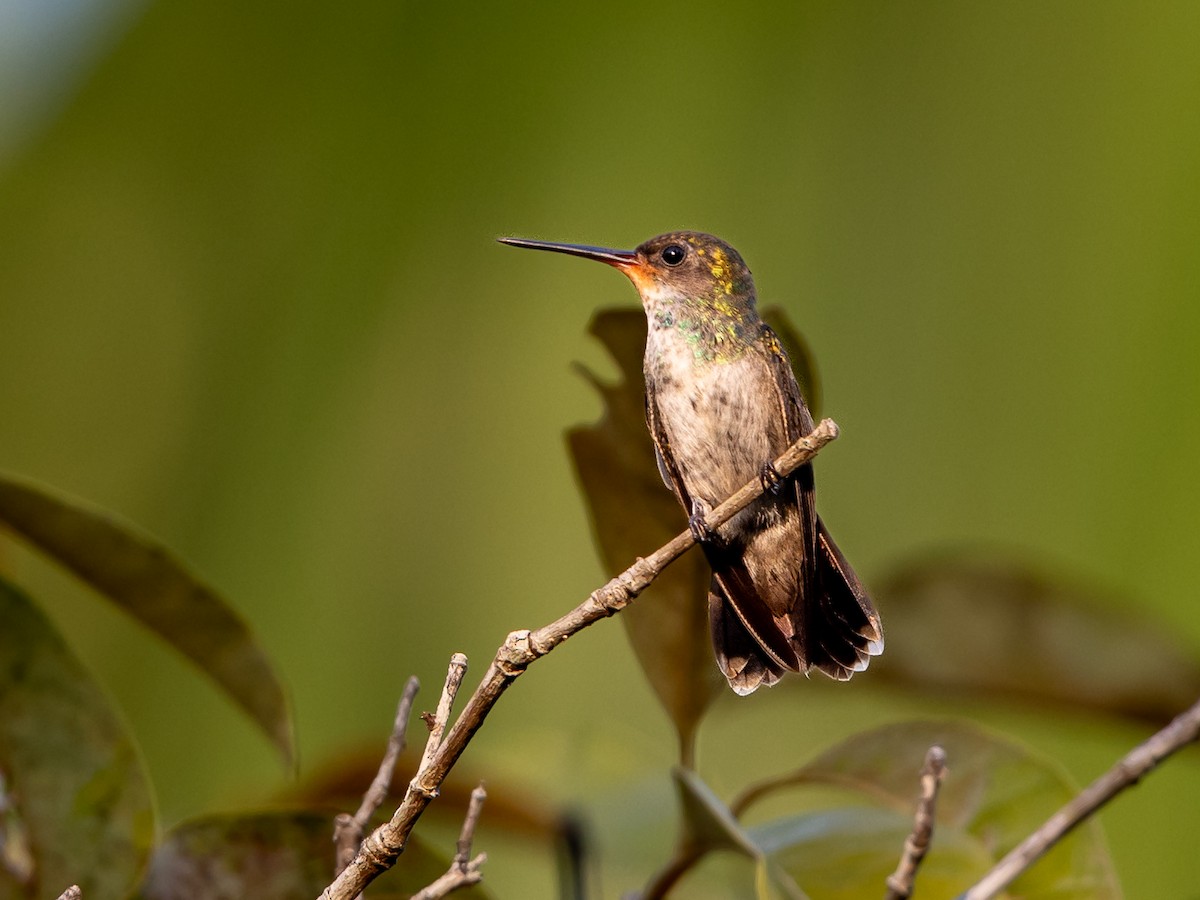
<point>721,403</point>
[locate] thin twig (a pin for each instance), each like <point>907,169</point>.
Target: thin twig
<point>916,845</point>
<point>1183,730</point>
<point>470,823</point>
<point>522,648</point>
<point>71,893</point>
<point>463,870</point>
<point>437,723</point>
<point>378,790</point>
<point>471,873</point>
<point>348,830</point>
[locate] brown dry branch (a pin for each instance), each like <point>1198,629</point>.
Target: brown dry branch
<point>463,870</point>
<point>347,829</point>
<point>521,648</point>
<point>71,893</point>
<point>1183,730</point>
<point>916,845</point>
<point>437,723</point>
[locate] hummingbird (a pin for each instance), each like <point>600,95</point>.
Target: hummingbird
<point>721,403</point>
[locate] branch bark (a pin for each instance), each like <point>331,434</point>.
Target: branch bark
<point>916,845</point>
<point>520,649</point>
<point>348,830</point>
<point>463,871</point>
<point>1183,730</point>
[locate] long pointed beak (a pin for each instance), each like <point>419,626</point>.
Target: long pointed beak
<point>619,258</point>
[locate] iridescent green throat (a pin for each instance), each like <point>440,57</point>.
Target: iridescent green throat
<point>716,329</point>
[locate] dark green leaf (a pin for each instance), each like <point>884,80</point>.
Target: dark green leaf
<point>272,856</point>
<point>77,805</point>
<point>996,792</point>
<point>144,580</point>
<point>984,625</point>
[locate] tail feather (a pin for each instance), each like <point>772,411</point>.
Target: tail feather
<point>833,628</point>
<point>739,656</point>
<point>843,630</point>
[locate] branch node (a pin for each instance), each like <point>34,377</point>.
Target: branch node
<point>375,853</point>
<point>417,788</point>
<point>516,653</point>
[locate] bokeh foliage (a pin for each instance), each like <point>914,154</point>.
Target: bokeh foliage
<point>248,299</point>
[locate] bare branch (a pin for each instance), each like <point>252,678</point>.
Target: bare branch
<point>471,873</point>
<point>71,893</point>
<point>463,870</point>
<point>437,725</point>
<point>522,648</point>
<point>916,845</point>
<point>348,830</point>
<point>1183,730</point>
<point>378,790</point>
<point>470,823</point>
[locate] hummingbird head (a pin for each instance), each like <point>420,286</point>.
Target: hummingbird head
<point>685,267</point>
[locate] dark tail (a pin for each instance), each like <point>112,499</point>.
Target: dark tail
<point>739,656</point>
<point>843,630</point>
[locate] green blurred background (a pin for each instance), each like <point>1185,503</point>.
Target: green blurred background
<point>250,300</point>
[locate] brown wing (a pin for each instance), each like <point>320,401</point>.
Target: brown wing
<point>797,421</point>
<point>802,534</point>
<point>667,467</point>
<point>837,629</point>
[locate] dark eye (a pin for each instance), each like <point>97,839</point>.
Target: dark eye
<point>673,254</point>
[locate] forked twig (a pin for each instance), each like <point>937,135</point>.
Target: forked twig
<point>348,829</point>
<point>463,870</point>
<point>521,648</point>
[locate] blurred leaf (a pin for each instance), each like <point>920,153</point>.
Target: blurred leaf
<point>847,854</point>
<point>707,821</point>
<point>996,792</point>
<point>634,513</point>
<point>78,802</point>
<point>272,856</point>
<point>338,781</point>
<point>990,626</point>
<point>144,580</point>
<point>709,825</point>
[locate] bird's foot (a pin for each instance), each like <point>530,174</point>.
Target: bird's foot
<point>697,522</point>
<point>771,480</point>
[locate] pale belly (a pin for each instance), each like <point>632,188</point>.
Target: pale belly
<point>722,420</point>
